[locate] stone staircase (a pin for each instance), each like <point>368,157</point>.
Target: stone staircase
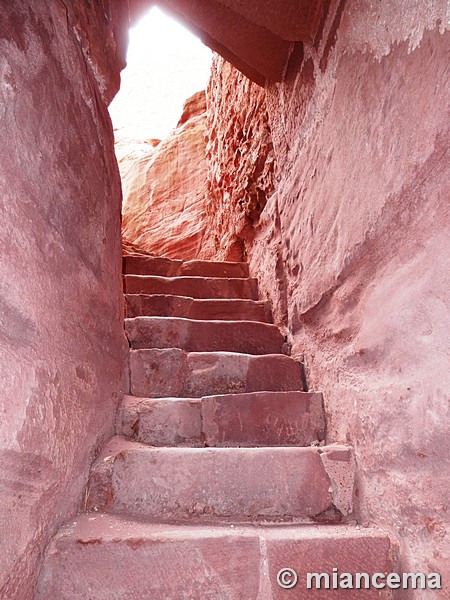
<point>218,476</point>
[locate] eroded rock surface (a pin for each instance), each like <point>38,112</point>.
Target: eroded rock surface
<point>61,338</point>
<point>165,192</point>
<point>240,159</point>
<point>352,247</point>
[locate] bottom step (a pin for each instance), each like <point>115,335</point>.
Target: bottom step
<point>103,557</point>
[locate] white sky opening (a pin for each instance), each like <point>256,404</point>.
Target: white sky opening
<point>166,65</point>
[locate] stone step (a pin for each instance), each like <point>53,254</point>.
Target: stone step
<point>108,557</point>
<point>218,483</point>
<point>248,337</point>
<point>254,419</point>
<point>193,287</point>
<point>172,372</point>
<point>141,305</point>
<point>166,267</point>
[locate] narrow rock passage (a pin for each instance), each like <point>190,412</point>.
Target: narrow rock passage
<point>218,476</point>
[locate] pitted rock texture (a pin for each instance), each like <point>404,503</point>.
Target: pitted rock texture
<point>240,159</point>
<point>62,348</point>
<point>352,248</point>
<point>165,192</point>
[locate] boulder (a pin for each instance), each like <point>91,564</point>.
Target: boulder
<point>165,192</point>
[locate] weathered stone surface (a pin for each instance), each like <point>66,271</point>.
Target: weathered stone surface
<point>133,157</point>
<point>253,419</point>
<point>320,550</point>
<point>290,19</point>
<point>128,248</point>
<point>263,419</point>
<point>62,347</point>
<point>352,247</point>
<point>196,483</point>
<point>114,558</point>
<point>193,335</point>
<point>161,421</point>
<point>193,107</point>
<point>253,48</point>
<point>360,141</point>
<point>196,308</point>
<point>240,157</point>
<point>173,372</point>
<point>165,194</point>
<point>193,287</point>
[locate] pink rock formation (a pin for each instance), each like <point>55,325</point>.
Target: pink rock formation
<point>165,190</point>
<point>61,332</point>
<point>352,247</point>
<point>240,159</point>
<point>254,36</point>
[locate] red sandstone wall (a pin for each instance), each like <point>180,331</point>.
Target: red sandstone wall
<point>353,248</point>
<point>240,160</point>
<point>61,341</point>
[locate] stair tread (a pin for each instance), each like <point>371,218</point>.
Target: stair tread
<point>192,286</point>
<point>246,419</point>
<point>198,335</point>
<point>115,558</point>
<point>214,483</point>
<point>170,305</point>
<point>114,528</point>
<point>153,265</point>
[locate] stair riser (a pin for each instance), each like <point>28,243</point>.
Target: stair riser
<point>209,483</point>
<point>138,305</point>
<point>204,336</point>
<point>163,422</point>
<point>176,373</point>
<point>258,419</point>
<point>165,267</point>
<point>193,287</point>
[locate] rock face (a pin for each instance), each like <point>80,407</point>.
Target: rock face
<point>352,247</point>
<point>240,159</point>
<point>254,35</point>
<point>61,338</point>
<point>165,191</point>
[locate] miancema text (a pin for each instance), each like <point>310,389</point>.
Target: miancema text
<point>379,581</point>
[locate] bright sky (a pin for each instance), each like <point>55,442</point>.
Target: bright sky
<point>166,65</point>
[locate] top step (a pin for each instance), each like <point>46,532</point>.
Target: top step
<point>166,267</point>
